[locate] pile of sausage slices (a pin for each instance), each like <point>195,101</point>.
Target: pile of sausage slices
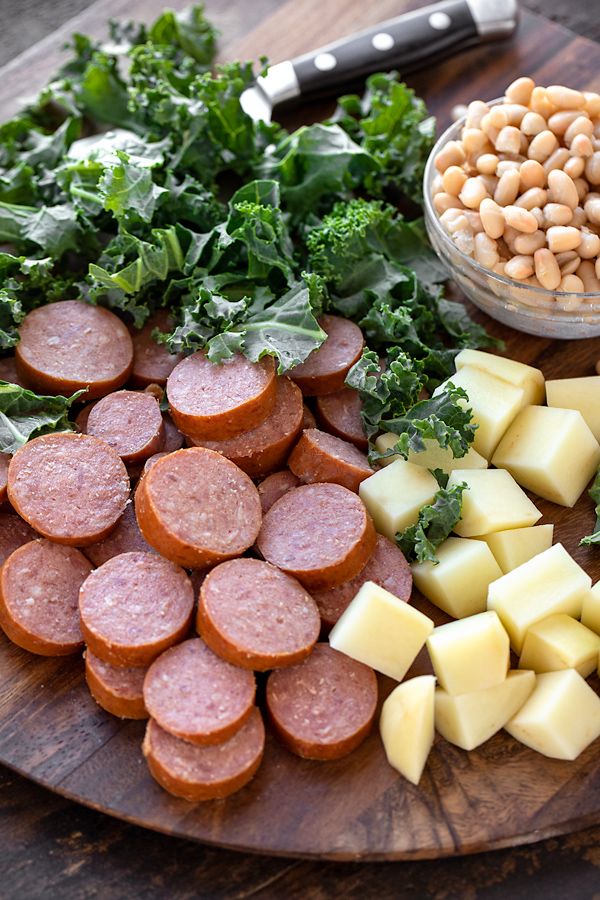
<point>242,541</point>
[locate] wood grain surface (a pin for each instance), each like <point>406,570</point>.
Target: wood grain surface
<point>356,808</point>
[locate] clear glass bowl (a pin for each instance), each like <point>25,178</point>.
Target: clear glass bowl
<point>522,306</point>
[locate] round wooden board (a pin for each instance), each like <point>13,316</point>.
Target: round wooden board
<point>357,808</point>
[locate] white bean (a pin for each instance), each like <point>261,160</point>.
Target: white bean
<point>563,237</point>
<point>582,146</point>
<point>519,90</point>
<point>473,192</point>
<point>474,140</point>
<point>519,267</point>
<point>592,103</point>
<point>474,220</point>
<point>508,140</point>
<point>589,246</point>
<point>452,154</point>
<point>486,250</point>
<point>570,266</point>
<point>540,103</point>
<point>487,162</point>
<point>449,216</point>
<point>580,125</point>
<point>565,98</point>
<point>571,284</point>
<point>442,202</point>
<point>527,244</point>
<point>557,159</point>
<point>581,186</point>
<point>491,218</point>
<point>533,197</point>
<point>476,110</point>
<point>464,240</point>
<point>507,190</point>
<point>561,189</point>
<point>532,174</point>
<point>574,167</point>
<point>532,123</point>
<point>579,218</point>
<point>453,180</point>
<point>592,168</point>
<point>542,146</point>
<point>521,219</point>
<point>507,165</point>
<point>546,269</point>
<point>587,273</point>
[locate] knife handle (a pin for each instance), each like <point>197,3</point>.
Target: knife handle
<point>408,42</point>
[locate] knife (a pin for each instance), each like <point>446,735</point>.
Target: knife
<point>408,42</point>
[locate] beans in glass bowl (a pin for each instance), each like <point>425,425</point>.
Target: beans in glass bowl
<point>519,189</point>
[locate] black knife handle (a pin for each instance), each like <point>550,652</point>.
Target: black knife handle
<point>408,42</point>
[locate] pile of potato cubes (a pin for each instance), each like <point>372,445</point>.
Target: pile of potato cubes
<point>500,577</point>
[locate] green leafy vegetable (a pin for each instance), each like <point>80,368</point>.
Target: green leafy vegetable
<point>25,415</point>
<point>436,520</point>
<point>594,492</point>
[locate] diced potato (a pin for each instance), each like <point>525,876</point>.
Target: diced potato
<point>470,654</point>
<point>560,718</point>
<point>578,393</point>
<point>590,610</point>
<point>394,495</point>
<point>433,456</point>
<point>515,546</point>
<point>550,583</point>
<point>560,642</point>
<point>406,726</point>
<point>459,582</point>
<point>494,501</point>
<point>550,451</point>
<point>469,720</point>
<point>494,402</point>
<point>516,373</point>
<point>381,631</point>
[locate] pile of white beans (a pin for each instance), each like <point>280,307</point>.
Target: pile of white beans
<point>520,191</point>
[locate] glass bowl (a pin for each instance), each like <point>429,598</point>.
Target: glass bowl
<point>525,307</point>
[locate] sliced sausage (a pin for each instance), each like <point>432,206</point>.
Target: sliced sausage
<point>387,567</point>
<point>319,457</point>
<point>4,463</point>
<point>152,362</point>
<point>339,414</point>
<point>151,460</point>
<point>324,707</point>
<point>255,616</point>
<point>116,689</point>
<point>14,532</point>
<point>275,486</point>
<point>8,371</point>
<point>72,488</point>
<point>39,588</point>
<point>197,696</point>
<point>266,447</point>
<point>130,422</point>
<point>71,345</point>
<point>173,436</point>
<point>205,773</point>
<point>81,419</point>
<point>320,534</point>
<point>198,508</point>
<point>125,538</point>
<point>135,606</point>
<point>308,419</point>
<point>211,402</point>
<point>325,370</point>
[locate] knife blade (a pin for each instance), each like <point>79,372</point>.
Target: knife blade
<point>408,42</point>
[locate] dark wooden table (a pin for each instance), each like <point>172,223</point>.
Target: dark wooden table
<point>50,847</point>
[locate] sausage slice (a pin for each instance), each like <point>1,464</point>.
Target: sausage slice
<point>197,508</point>
<point>152,362</point>
<point>319,456</point>
<point>81,419</point>
<point>324,707</point>
<point>130,422</point>
<point>135,606</point>
<point>325,370</point>
<point>173,436</point>
<point>308,419</point>
<point>320,534</point>
<point>387,567</point>
<point>71,345</point>
<point>8,371</point>
<point>72,488</point>
<point>116,689</point>
<point>255,616</point>
<point>125,538</point>
<point>14,532</point>
<point>339,414</point>
<point>197,696</point>
<point>205,773</point>
<point>266,447</point>
<point>275,486</point>
<point>213,402</point>
<point>4,462</point>
<point>39,588</point>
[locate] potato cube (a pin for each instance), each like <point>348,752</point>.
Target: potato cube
<point>590,610</point>
<point>550,451</point>
<point>516,373</point>
<point>560,718</point>
<point>382,631</point>
<point>515,546</point>
<point>560,642</point>
<point>470,654</point>
<point>394,495</point>
<point>433,456</point>
<point>550,583</point>
<point>578,393</point>
<point>469,720</point>
<point>459,582</point>
<point>494,403</point>
<point>494,501</point>
<point>406,726</point>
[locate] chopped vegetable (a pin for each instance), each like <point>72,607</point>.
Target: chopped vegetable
<point>436,520</point>
<point>594,492</point>
<point>25,415</point>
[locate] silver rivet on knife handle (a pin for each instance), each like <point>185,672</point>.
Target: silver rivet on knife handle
<point>494,18</point>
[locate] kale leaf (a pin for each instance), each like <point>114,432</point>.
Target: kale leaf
<point>25,415</point>
<point>436,520</point>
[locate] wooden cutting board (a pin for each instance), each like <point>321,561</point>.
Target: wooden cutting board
<point>357,808</point>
